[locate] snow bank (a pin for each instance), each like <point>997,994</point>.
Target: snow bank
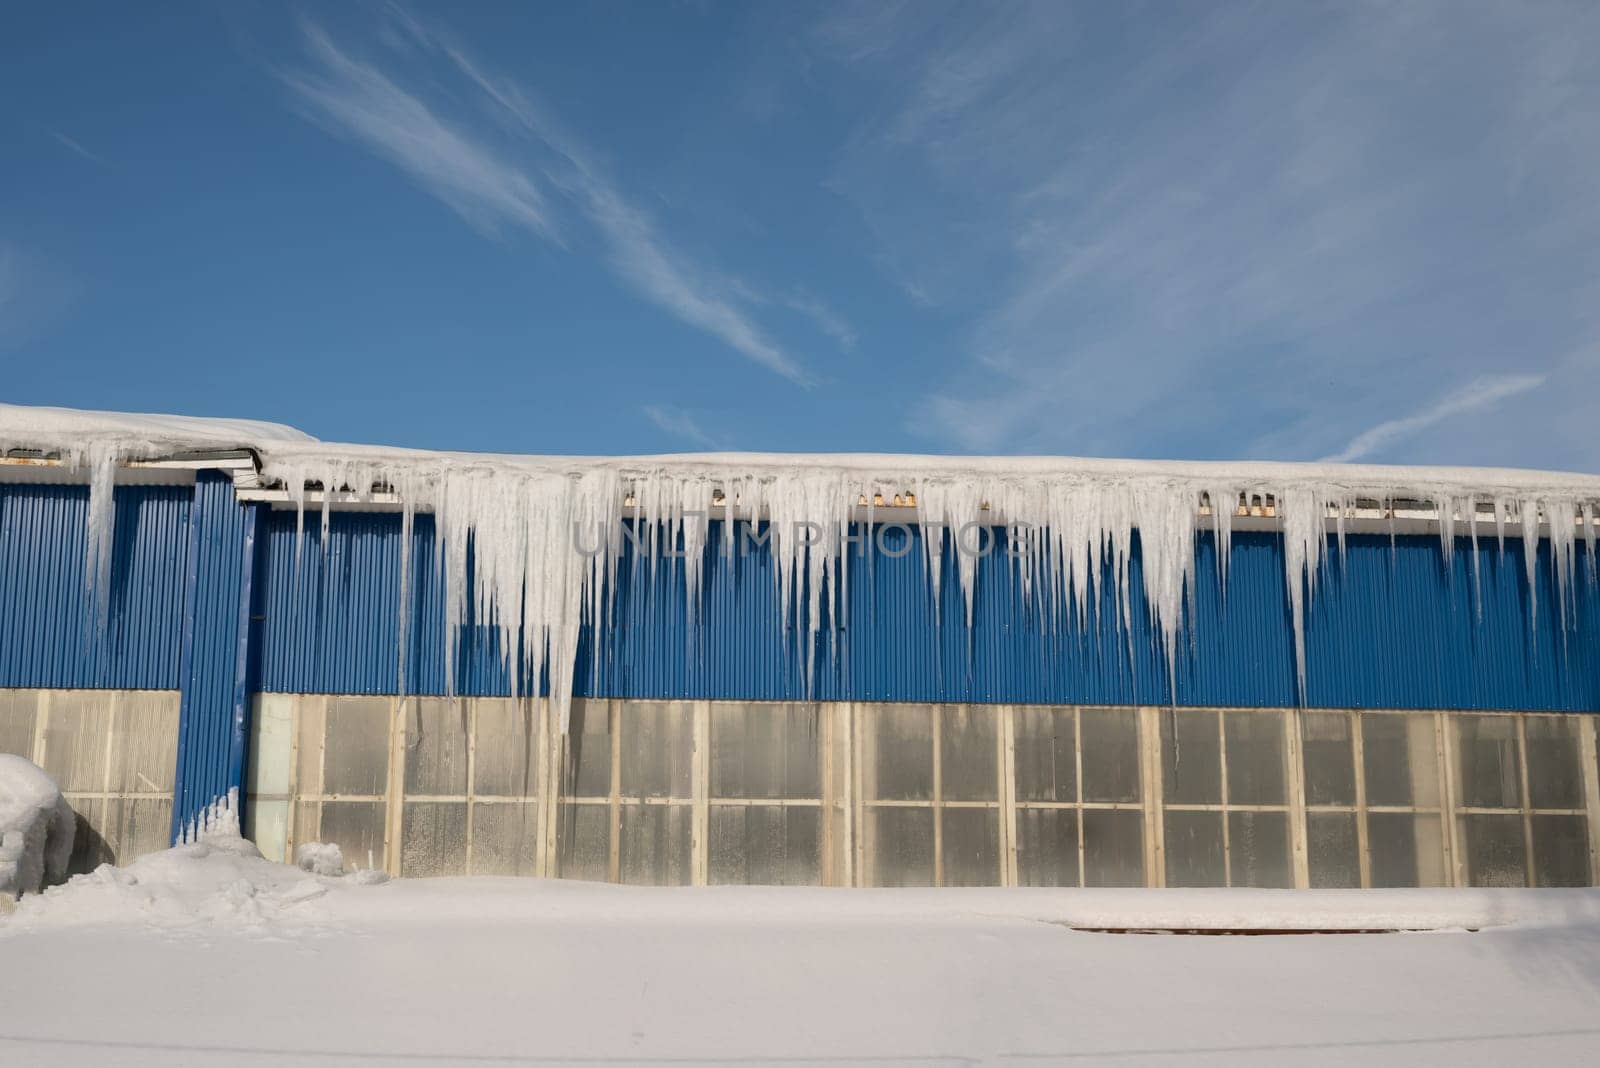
<point>216,881</point>
<point>36,828</point>
<point>548,532</point>
<point>515,971</point>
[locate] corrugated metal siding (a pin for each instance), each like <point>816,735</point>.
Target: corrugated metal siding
<point>1389,627</point>
<point>213,668</point>
<point>50,639</point>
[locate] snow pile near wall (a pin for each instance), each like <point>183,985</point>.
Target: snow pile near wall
<point>218,881</point>
<point>547,533</point>
<point>36,828</point>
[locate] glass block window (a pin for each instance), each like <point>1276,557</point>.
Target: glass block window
<point>626,809</point>
<point>765,823</point>
<point>1225,798</point>
<point>1372,799</point>
<point>1520,813</point>
<point>930,795</point>
<point>1079,804</point>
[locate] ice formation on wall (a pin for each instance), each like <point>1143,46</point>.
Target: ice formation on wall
<point>548,533</point>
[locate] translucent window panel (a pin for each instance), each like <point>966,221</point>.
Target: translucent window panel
<point>505,762</point>
<point>356,827</point>
<point>144,743</point>
<point>968,753</point>
<point>1333,850</point>
<point>1493,849</point>
<point>1046,754</point>
<point>766,751</point>
<point>436,745</point>
<point>17,712</point>
<point>310,733</point>
<point>1258,849</point>
<point>271,745</point>
<point>1255,758</point>
<point>899,842</point>
<point>1560,851</point>
<point>1191,758</point>
<point>1113,847</point>
<point>765,845</point>
<point>433,838</point>
<point>1405,849</point>
<point>138,825</point>
<point>505,838</point>
<point>1486,762</point>
<point>306,817</point>
<point>266,823</point>
<point>588,751</point>
<point>1047,847</point>
<point>583,842</point>
<point>902,752</point>
<point>657,749</point>
<point>1400,759</point>
<point>1110,738</point>
<point>1193,847</point>
<point>355,756</point>
<point>1555,775</point>
<point>75,740</point>
<point>970,846</point>
<point>1327,744</point>
<point>654,847</point>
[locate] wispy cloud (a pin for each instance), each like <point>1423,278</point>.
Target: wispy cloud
<point>523,183</point>
<point>1476,396</point>
<point>679,423</point>
<point>1229,227</point>
<point>351,97</point>
<point>825,318</point>
<point>74,146</point>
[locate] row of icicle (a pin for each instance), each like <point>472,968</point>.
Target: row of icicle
<point>526,528</point>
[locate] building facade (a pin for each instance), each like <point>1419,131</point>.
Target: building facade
<point>1443,733</point>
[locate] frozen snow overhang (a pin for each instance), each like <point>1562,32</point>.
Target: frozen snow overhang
<point>527,515</point>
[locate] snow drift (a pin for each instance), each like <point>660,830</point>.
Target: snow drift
<point>546,533</point>
<point>36,828</point>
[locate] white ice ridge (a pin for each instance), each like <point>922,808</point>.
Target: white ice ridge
<point>535,523</point>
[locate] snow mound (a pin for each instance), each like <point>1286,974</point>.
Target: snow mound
<point>319,858</point>
<point>36,828</point>
<point>216,882</point>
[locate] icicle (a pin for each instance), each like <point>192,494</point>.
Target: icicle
<point>1477,571</point>
<point>1223,502</point>
<point>1563,520</point>
<point>507,561</point>
<point>1302,513</point>
<point>101,458</point>
<point>1589,538</point>
<point>1528,512</point>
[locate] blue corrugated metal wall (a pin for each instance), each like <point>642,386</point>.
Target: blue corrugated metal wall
<point>48,636</point>
<point>214,668</point>
<point>1390,626</point>
<point>210,597</point>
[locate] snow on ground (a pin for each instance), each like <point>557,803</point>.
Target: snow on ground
<point>206,953</point>
<point>36,829</point>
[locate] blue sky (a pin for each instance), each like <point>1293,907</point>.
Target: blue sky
<point>1275,230</point>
